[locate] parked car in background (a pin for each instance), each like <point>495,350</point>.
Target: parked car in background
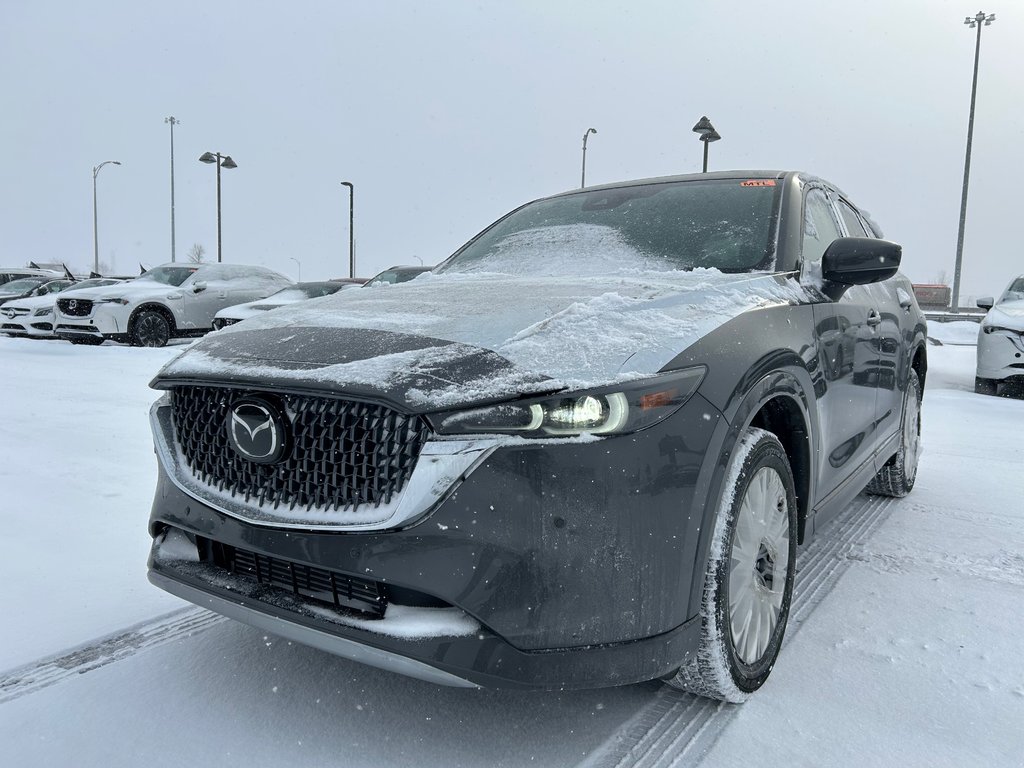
<point>27,287</point>
<point>34,316</point>
<point>584,452</point>
<point>7,274</point>
<point>168,301</point>
<point>289,295</point>
<point>399,274</point>
<point>1001,340</point>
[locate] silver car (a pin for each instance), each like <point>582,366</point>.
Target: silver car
<point>172,300</point>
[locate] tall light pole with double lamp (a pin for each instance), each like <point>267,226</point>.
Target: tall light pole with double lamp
<point>351,224</point>
<point>172,121</point>
<point>222,161</point>
<point>979,21</point>
<point>95,217</point>
<point>706,133</point>
<point>583,175</point>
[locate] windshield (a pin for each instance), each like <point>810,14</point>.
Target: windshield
<point>1015,292</point>
<point>302,292</point>
<point>95,282</point>
<point>23,285</point>
<point>721,224</point>
<point>168,275</point>
<point>393,276</point>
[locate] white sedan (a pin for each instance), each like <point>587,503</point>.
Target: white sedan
<point>1001,340</point>
<point>289,295</point>
<point>33,316</point>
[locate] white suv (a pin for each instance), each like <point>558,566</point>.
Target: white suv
<point>169,300</point>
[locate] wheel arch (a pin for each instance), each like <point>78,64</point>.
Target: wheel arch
<point>780,402</point>
<point>919,363</point>
<point>154,307</point>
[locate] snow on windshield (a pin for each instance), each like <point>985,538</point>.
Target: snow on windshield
<point>556,251</point>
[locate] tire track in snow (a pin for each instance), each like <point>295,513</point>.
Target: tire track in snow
<point>678,728</point>
<point>32,677</point>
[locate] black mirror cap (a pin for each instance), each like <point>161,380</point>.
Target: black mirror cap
<point>860,260</point>
<point>986,302</point>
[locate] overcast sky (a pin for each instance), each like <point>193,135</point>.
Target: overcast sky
<point>446,115</point>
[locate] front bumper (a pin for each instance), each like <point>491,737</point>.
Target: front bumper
<point>102,323</point>
<point>579,561</point>
<point>1000,354</point>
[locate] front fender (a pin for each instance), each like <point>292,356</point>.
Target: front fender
<point>790,390</point>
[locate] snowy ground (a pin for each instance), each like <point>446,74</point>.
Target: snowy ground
<point>904,646</point>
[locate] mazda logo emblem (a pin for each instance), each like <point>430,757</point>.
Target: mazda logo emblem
<point>9,312</point>
<point>73,304</point>
<point>255,430</point>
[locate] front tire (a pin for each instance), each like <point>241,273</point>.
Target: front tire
<point>150,329</point>
<point>985,386</point>
<point>748,585</point>
<point>897,477</point>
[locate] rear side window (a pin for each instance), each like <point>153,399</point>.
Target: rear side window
<point>852,220</point>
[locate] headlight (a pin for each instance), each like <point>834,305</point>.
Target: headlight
<point>43,312</point>
<point>1000,329</point>
<point>114,300</point>
<point>605,411</point>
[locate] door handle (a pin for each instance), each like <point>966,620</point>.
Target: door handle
<point>874,318</point>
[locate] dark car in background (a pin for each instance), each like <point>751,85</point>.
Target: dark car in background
<point>586,450</point>
<point>30,287</point>
<point>7,274</point>
<point>398,274</point>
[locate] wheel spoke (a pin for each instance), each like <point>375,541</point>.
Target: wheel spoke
<point>759,564</point>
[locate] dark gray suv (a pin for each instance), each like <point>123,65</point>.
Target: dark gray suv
<point>586,450</point>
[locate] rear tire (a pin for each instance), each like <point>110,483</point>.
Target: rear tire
<point>897,477</point>
<point>985,386</point>
<point>150,329</point>
<point>748,585</point>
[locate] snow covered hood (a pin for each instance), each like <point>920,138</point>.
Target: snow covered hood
<point>31,302</point>
<point>446,340</point>
<point>134,288</point>
<point>1007,314</point>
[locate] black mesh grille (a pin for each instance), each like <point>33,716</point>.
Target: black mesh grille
<point>75,307</point>
<point>334,588</point>
<point>339,453</point>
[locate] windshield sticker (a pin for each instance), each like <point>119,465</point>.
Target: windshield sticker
<point>758,183</point>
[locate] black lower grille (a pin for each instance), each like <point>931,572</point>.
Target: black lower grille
<point>339,454</point>
<point>75,307</point>
<point>335,589</point>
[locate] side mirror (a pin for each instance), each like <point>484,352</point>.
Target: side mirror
<point>199,286</point>
<point>858,261</point>
<point>985,302</point>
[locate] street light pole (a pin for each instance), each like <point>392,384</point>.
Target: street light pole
<point>95,217</point>
<point>971,21</point>
<point>583,175</point>
<point>224,161</point>
<point>300,268</point>
<point>173,122</point>
<point>707,134</point>
<point>351,224</point>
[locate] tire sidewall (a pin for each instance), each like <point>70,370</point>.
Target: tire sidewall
<point>766,452</point>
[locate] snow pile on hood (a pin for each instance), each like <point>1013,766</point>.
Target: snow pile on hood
<point>571,332</point>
